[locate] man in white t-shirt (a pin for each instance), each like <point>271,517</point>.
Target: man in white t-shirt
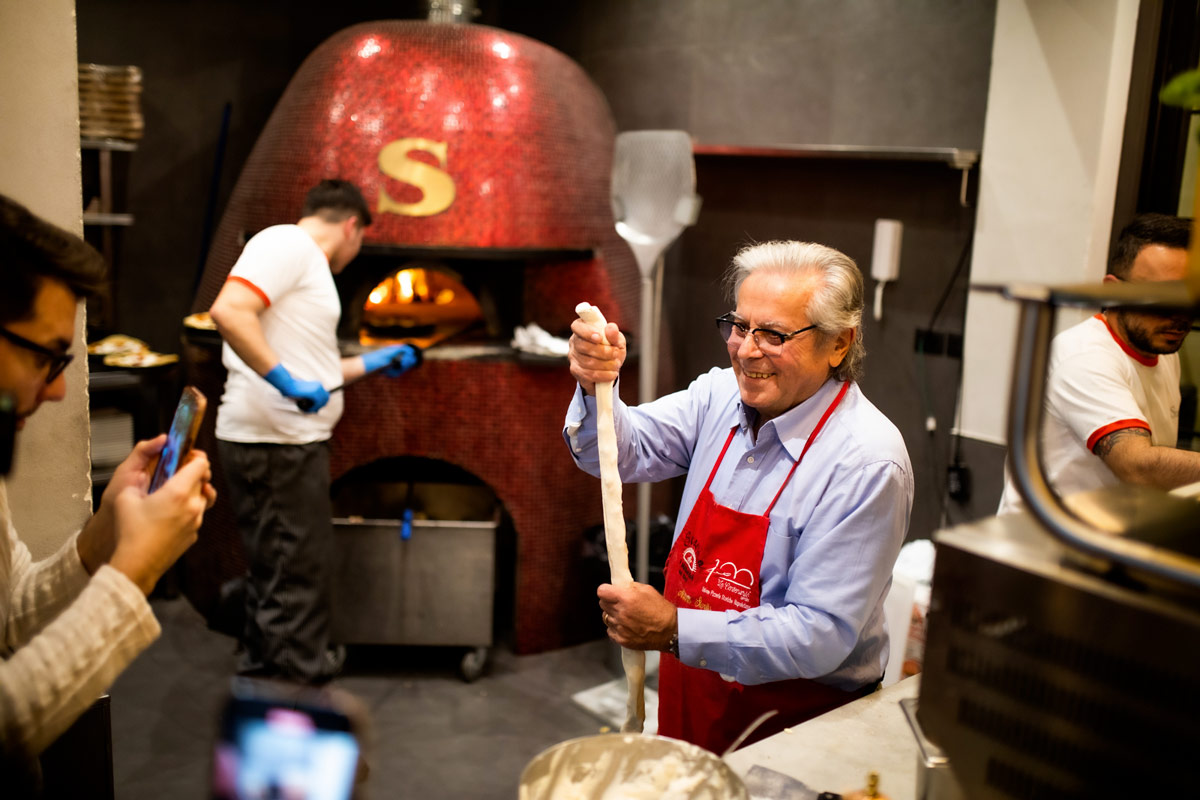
<point>1112,388</point>
<point>278,313</point>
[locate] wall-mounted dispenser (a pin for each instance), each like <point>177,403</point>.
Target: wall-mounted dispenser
<point>885,258</point>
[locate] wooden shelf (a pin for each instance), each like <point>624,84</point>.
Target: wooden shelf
<point>952,156</point>
<point>100,218</point>
<point>121,145</point>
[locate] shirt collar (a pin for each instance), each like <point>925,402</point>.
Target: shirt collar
<point>1148,361</point>
<point>794,426</point>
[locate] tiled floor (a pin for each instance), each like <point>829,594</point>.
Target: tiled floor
<point>436,736</point>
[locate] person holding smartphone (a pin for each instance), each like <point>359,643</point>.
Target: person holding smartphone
<point>72,622</point>
<point>278,313</point>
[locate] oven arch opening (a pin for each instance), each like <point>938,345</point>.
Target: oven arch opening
<point>447,578</point>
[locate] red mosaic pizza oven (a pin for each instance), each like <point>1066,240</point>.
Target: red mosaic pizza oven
<point>485,157</point>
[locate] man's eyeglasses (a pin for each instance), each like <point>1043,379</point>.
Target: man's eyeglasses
<point>734,332</point>
<point>56,361</point>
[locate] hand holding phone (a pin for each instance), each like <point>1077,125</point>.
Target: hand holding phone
<point>181,437</point>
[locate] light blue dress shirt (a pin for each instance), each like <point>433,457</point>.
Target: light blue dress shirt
<point>834,534</point>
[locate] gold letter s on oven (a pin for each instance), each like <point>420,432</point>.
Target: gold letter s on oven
<point>437,187</point>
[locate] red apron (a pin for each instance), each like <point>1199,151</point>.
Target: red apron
<point>714,565</point>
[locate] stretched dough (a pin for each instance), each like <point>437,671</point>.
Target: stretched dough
<point>634,661</point>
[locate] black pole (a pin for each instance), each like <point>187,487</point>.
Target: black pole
<point>210,210</point>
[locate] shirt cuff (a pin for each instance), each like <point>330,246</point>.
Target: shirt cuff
<point>582,406</point>
<point>702,639</point>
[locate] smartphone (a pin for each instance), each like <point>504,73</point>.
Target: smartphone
<point>181,437</point>
<point>277,741</point>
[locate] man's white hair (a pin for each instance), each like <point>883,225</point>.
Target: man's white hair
<point>835,306</point>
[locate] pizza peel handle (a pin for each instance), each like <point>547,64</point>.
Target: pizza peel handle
<point>634,661</point>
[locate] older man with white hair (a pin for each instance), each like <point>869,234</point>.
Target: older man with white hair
<point>795,506</point>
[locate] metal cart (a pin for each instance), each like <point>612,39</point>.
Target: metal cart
<point>434,588</point>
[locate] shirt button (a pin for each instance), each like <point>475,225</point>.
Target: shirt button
<point>750,459</point>
<point>704,662</point>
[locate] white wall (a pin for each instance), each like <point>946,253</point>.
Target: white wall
<point>50,488</point>
<point>1048,175</point>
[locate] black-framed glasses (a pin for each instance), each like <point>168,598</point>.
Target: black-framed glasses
<point>732,330</point>
<point>53,359</point>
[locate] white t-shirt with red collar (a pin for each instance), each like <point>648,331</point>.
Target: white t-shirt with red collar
<point>285,267</point>
<point>1097,384</point>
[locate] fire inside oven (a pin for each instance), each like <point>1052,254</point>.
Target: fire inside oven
<point>419,304</point>
<point>397,294</point>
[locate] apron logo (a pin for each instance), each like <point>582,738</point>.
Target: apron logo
<point>730,572</point>
<point>722,584</point>
<point>689,561</point>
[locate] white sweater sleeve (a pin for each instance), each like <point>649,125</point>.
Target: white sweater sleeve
<point>66,638</point>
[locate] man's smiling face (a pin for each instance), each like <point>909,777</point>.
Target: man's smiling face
<point>777,379</point>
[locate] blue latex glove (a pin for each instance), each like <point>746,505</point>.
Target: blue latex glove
<point>310,396</point>
<point>394,360</point>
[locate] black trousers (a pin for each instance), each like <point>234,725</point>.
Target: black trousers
<point>280,494</point>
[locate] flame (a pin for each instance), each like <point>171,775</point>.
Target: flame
<point>412,302</point>
<point>409,286</point>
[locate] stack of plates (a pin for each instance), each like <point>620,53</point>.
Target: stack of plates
<point>110,102</point>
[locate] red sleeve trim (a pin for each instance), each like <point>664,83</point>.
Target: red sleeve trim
<point>1119,425</point>
<point>261,294</point>
<point>1148,361</point>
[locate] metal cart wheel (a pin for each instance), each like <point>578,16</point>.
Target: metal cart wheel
<point>473,663</point>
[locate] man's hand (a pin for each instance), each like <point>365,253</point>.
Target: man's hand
<point>153,530</point>
<point>394,360</point>
<point>311,391</point>
<point>98,538</point>
<point>591,360</point>
<point>637,616</point>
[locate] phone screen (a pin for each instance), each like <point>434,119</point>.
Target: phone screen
<point>180,437</point>
<point>274,749</point>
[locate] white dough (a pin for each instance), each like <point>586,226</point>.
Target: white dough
<point>624,771</point>
<point>634,661</point>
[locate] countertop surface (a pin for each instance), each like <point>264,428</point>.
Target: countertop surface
<point>836,751</point>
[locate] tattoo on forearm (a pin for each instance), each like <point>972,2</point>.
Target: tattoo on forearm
<point>1107,443</point>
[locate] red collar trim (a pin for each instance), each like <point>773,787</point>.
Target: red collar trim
<point>1146,361</point>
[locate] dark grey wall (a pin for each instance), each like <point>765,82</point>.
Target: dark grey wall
<point>863,72</point>
<point>738,72</point>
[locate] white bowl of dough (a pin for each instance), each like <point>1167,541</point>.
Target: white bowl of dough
<point>624,766</point>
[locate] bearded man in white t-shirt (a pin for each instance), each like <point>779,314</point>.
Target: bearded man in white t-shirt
<point>278,313</point>
<point>1112,387</point>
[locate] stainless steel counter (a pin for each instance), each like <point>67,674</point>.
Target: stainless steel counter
<point>836,751</point>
